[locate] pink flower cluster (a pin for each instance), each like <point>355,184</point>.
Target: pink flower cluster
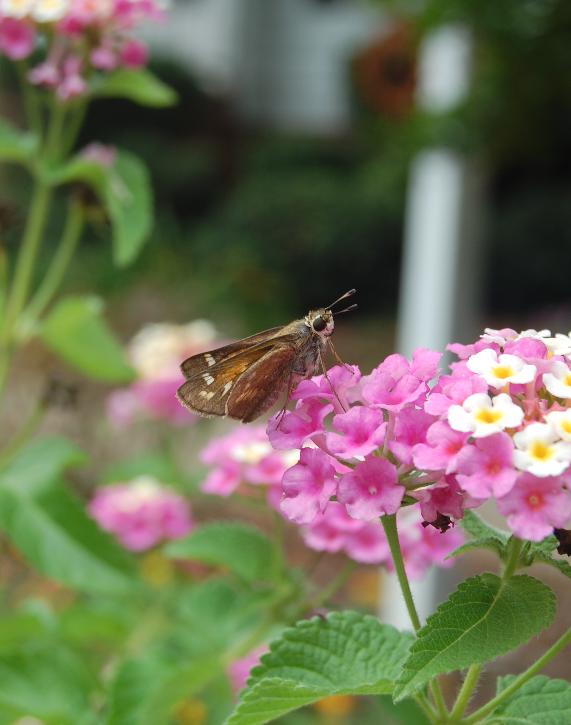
<point>497,425</point>
<point>81,37</point>
<point>244,459</point>
<point>141,513</point>
<point>155,353</point>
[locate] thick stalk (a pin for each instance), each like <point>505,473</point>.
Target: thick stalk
<point>60,262</point>
<point>391,532</point>
<point>520,681</point>
<point>466,691</point>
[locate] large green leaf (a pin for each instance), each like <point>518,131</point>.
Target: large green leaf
<point>16,145</point>
<point>483,619</point>
<point>76,331</point>
<point>541,701</point>
<point>50,526</point>
<point>140,86</point>
<point>125,191</point>
<point>345,653</point>
<point>242,549</point>
<point>50,684</point>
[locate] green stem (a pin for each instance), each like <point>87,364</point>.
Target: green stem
<point>390,526</point>
<point>391,532</point>
<point>31,100</point>
<point>74,126</point>
<point>520,681</point>
<point>514,551</point>
<point>25,265</point>
<point>55,135</point>
<point>23,435</point>
<point>466,691</point>
<point>60,261</point>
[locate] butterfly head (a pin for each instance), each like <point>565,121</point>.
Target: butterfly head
<point>320,322</point>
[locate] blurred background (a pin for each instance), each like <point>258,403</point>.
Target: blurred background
<point>417,150</point>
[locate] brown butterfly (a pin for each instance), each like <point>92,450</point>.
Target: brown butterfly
<point>245,379</point>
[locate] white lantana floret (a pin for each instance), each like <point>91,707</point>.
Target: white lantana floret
<point>50,11</point>
<point>16,8</point>
<point>539,450</point>
<point>499,370</point>
<point>558,381</point>
<point>483,416</point>
<point>560,421</point>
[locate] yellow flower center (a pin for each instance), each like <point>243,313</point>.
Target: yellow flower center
<point>488,415</point>
<point>541,451</point>
<point>567,380</point>
<point>566,426</point>
<point>503,371</point>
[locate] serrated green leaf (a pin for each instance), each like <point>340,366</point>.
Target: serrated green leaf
<point>483,619</point>
<point>124,190</point>
<point>547,546</point>
<point>242,549</point>
<point>140,86</point>
<point>16,145</point>
<point>541,701</point>
<point>76,331</point>
<point>50,684</point>
<point>560,564</point>
<point>345,653</point>
<point>475,544</point>
<point>480,529</point>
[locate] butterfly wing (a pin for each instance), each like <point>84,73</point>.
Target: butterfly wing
<point>262,384</point>
<point>208,392</point>
<point>205,361</point>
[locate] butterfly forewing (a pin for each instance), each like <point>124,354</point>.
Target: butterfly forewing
<point>205,361</point>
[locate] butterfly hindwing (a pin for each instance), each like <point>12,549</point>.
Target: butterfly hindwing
<point>259,388</point>
<point>205,361</point>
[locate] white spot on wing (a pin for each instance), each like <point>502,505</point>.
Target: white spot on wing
<point>205,394</point>
<point>227,388</point>
<point>208,378</point>
<point>209,359</point>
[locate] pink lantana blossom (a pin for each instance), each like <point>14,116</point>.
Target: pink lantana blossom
<point>308,486</point>
<point>17,38</point>
<point>535,506</point>
<point>487,468</point>
<point>371,490</point>
<point>445,498</point>
<point>343,379</point>
<point>141,513</point>
<point>239,670</point>
<point>295,427</point>
<point>440,452</point>
<point>362,429</point>
<point>410,429</point>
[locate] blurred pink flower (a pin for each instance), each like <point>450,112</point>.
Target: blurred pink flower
<point>17,38</point>
<point>239,670</point>
<point>141,513</point>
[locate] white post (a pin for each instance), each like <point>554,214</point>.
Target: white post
<point>438,296</point>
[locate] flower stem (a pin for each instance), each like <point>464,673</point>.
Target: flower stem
<point>60,261</point>
<point>520,681</point>
<point>31,100</point>
<point>466,691</point>
<point>390,526</point>
<point>514,551</point>
<point>391,532</point>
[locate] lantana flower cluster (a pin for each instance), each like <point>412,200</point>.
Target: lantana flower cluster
<point>77,38</point>
<point>244,462</point>
<point>155,354</point>
<point>141,513</point>
<point>497,426</point>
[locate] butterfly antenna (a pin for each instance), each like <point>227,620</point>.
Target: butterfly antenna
<point>347,309</point>
<point>343,297</point>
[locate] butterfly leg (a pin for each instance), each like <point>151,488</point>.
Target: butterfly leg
<point>336,356</point>
<point>290,388</point>
<point>343,408</point>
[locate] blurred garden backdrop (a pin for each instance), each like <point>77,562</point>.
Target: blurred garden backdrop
<point>279,174</point>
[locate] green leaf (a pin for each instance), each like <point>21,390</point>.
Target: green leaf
<point>475,544</point>
<point>140,86</point>
<point>560,564</point>
<point>77,332</point>
<point>16,145</point>
<point>37,465</point>
<point>158,465</point>
<point>346,653</point>
<point>50,526</point>
<point>483,619</point>
<point>125,192</point>
<point>541,701</point>
<point>242,549</point>
<point>50,684</point>
<point>146,690</point>
<point>479,529</point>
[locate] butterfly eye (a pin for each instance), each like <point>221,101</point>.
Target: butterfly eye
<point>319,324</point>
